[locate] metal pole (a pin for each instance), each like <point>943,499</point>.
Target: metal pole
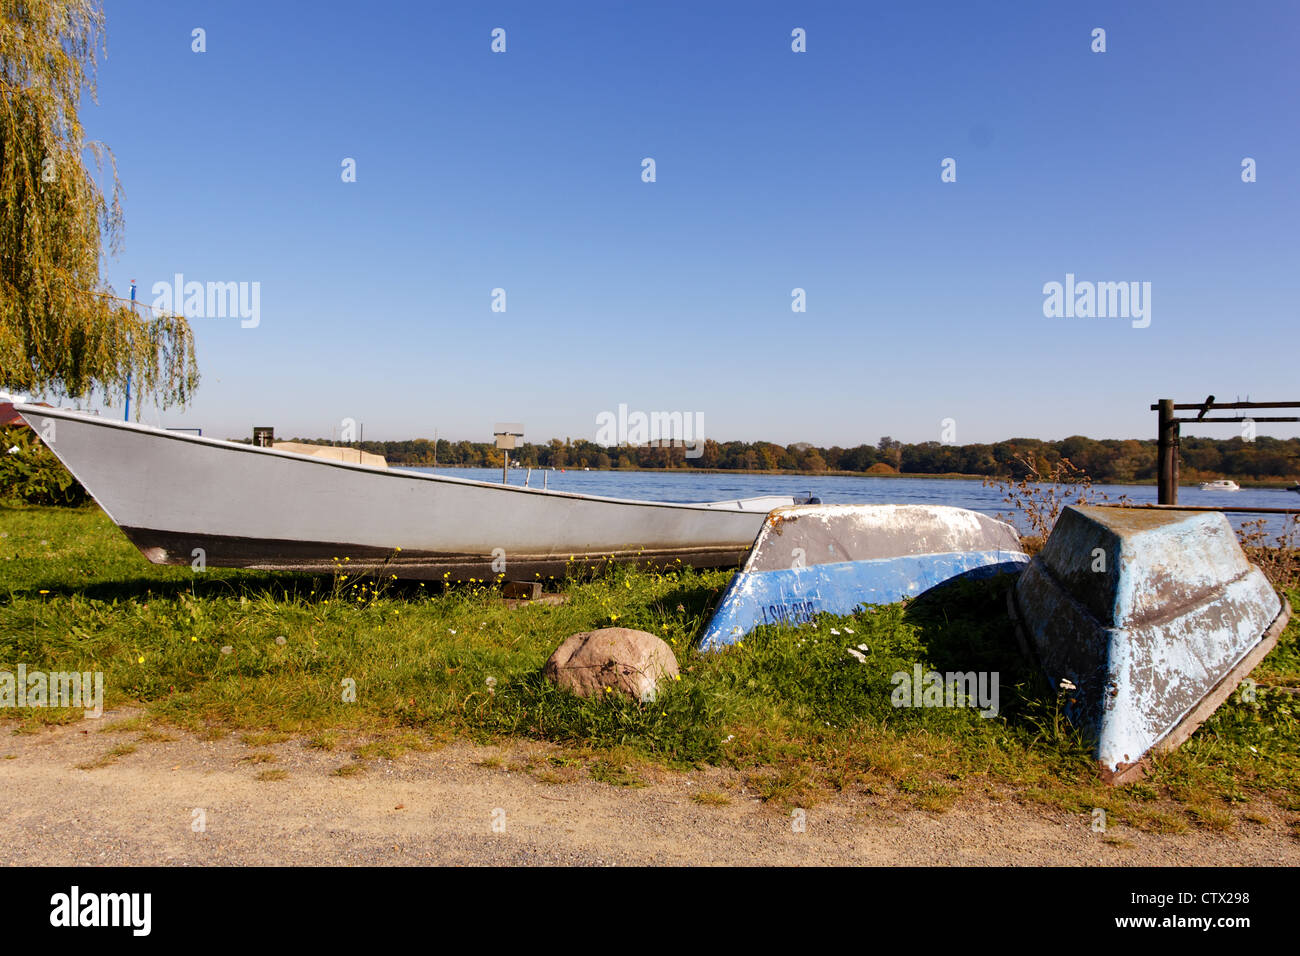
<point>1167,454</point>
<point>505,468</point>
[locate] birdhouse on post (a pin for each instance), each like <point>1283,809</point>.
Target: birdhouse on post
<point>506,433</point>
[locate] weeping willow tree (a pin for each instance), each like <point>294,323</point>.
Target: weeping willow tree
<point>61,330</point>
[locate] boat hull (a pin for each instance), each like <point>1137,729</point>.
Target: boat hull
<point>1145,622</point>
<point>833,559</point>
<point>185,499</point>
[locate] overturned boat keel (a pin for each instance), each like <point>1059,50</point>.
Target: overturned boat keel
<point>812,559</point>
<point>1146,622</point>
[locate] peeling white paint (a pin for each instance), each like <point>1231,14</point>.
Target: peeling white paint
<point>1176,610</point>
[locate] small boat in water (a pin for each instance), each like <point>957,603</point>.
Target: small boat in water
<point>832,559</point>
<point>1221,484</point>
<point>183,498</point>
<point>1145,622</point>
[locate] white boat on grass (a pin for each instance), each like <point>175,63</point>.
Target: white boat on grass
<point>183,498</point>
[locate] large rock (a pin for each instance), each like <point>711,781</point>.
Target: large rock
<point>619,658</point>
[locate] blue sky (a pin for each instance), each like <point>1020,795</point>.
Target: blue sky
<point>775,170</point>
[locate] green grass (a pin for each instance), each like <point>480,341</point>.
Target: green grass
<point>711,798</point>
<point>789,709</point>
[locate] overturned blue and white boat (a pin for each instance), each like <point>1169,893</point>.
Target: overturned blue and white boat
<point>1145,621</point>
<point>811,559</point>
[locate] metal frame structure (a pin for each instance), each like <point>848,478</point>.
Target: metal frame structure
<point>1168,434</point>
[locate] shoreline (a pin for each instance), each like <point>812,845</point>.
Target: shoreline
<point>1281,484</point>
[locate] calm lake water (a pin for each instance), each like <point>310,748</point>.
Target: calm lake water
<point>962,493</point>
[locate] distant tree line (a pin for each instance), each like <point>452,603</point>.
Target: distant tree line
<point>1108,460</point>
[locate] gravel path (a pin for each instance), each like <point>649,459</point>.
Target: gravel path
<point>440,807</point>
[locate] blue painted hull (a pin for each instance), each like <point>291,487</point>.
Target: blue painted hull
<point>795,595</point>
<point>1145,622</point>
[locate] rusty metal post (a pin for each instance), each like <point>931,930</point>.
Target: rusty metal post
<point>1167,454</point>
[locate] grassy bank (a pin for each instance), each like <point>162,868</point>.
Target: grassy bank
<point>791,710</point>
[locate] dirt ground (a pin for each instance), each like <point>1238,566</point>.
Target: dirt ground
<point>188,801</point>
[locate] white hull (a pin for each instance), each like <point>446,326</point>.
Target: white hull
<point>179,496</point>
<point>1222,484</point>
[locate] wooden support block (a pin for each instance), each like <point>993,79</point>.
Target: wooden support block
<point>527,590</point>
